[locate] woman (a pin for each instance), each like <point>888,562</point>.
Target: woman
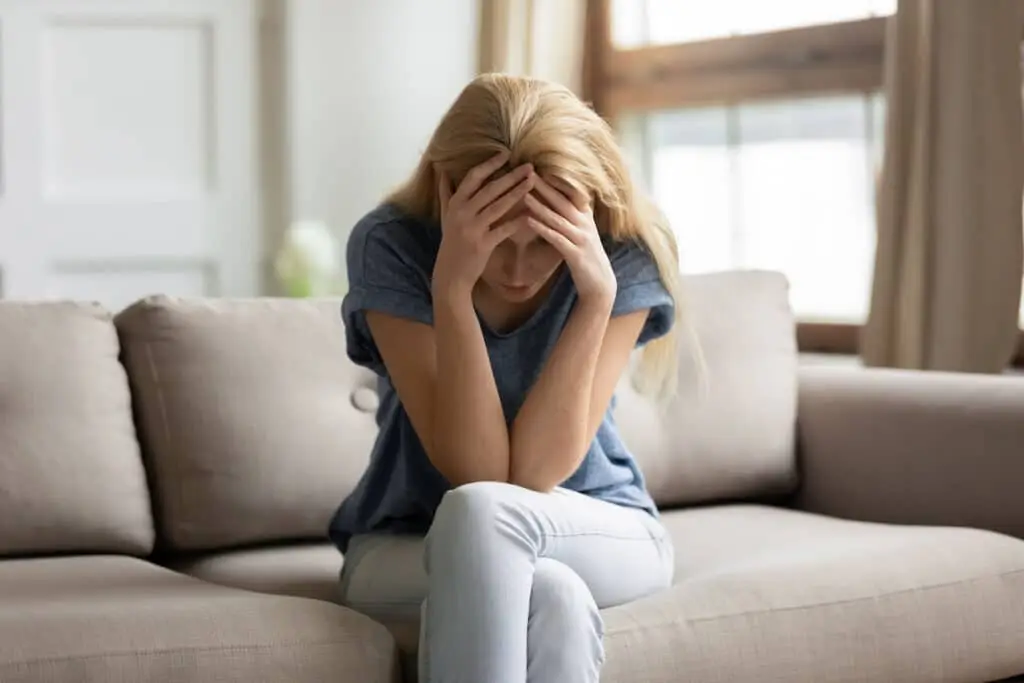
<point>499,295</point>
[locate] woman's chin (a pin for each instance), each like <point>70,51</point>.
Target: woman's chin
<point>517,294</point>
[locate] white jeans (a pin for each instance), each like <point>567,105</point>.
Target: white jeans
<point>511,581</point>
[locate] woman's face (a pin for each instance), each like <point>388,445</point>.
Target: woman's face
<point>522,264</point>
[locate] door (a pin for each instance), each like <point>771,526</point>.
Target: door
<point>128,158</point>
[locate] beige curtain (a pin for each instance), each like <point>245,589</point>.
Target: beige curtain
<point>948,265</point>
<point>542,38</point>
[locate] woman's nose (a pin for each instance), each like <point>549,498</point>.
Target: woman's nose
<point>517,266</point>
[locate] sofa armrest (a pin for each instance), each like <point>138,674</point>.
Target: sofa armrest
<point>912,447</point>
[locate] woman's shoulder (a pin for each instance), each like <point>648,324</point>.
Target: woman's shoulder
<point>386,233</point>
<point>632,262</point>
<point>390,223</point>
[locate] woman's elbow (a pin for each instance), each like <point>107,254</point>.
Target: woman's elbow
<point>533,478</point>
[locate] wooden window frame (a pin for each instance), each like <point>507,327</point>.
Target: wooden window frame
<point>845,57</point>
<point>815,60</point>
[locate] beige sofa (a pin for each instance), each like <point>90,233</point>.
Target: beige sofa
<point>166,478</point>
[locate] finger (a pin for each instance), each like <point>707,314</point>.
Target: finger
<point>553,237</point>
<point>496,188</point>
<point>504,204</point>
<point>503,231</point>
<point>550,217</point>
<point>479,173</point>
<point>555,199</point>
<point>444,191</point>
<point>578,198</point>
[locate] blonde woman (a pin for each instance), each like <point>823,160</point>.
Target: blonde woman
<point>499,295</point>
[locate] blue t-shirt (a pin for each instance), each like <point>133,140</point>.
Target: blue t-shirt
<point>390,258</point>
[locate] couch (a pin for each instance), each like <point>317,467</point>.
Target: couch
<point>167,473</point>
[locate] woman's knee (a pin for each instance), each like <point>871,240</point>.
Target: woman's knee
<point>560,593</point>
<point>469,506</point>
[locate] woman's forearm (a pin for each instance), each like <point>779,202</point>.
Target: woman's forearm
<point>552,432</point>
<point>470,437</point>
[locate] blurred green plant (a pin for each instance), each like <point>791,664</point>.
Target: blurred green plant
<point>308,263</point>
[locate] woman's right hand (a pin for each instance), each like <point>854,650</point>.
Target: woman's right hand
<point>469,220</point>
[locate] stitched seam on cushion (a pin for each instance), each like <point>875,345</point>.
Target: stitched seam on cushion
<point>165,424</point>
<point>818,605</point>
<point>177,650</point>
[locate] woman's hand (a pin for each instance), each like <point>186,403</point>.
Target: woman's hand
<point>469,220</point>
<point>566,220</point>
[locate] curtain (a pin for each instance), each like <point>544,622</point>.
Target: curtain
<point>542,38</point>
<point>948,265</point>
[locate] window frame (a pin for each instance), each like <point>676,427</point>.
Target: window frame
<point>845,57</point>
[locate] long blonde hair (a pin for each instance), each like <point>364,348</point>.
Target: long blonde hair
<point>546,124</point>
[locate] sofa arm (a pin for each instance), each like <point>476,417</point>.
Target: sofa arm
<point>912,447</point>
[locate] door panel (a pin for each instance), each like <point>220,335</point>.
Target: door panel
<point>128,161</point>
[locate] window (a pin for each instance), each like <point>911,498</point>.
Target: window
<point>758,128</point>
<point>784,185</point>
<point>637,23</point>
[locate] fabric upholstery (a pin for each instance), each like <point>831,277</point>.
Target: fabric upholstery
<point>253,421</point>
<point>769,594</point>
<point>105,619</point>
<point>309,571</point>
<point>71,477</point>
<point>729,433</point>
<point>912,447</point>
<point>766,594</point>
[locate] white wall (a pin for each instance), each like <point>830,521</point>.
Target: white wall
<point>367,82</point>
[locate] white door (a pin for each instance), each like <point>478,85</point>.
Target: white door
<point>128,158</point>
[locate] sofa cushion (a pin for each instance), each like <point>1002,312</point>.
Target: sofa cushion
<point>71,478</point>
<point>307,570</point>
<point>769,594</point>
<point>766,594</point>
<point>254,422</point>
<point>730,431</point>
<point>103,618</point>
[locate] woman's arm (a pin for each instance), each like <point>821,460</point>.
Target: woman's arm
<point>443,378</point>
<point>557,423</point>
<point>471,439</point>
<point>560,417</point>
<point>442,374</point>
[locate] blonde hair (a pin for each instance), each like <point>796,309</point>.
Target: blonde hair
<point>546,124</point>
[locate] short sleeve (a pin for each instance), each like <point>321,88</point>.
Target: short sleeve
<point>639,287</point>
<point>389,267</point>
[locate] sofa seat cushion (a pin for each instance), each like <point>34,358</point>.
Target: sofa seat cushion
<point>106,618</point>
<point>767,594</point>
<point>307,570</point>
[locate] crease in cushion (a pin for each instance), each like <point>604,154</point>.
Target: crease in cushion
<point>104,618</point>
<point>730,432</point>
<point>246,416</point>
<point>71,473</point>
<point>767,594</point>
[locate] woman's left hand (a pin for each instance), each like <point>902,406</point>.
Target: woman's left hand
<point>566,220</point>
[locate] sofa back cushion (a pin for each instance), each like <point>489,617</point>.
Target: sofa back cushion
<point>253,421</point>
<point>730,431</point>
<point>71,477</point>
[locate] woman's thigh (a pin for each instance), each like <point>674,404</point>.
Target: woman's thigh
<point>620,553</point>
